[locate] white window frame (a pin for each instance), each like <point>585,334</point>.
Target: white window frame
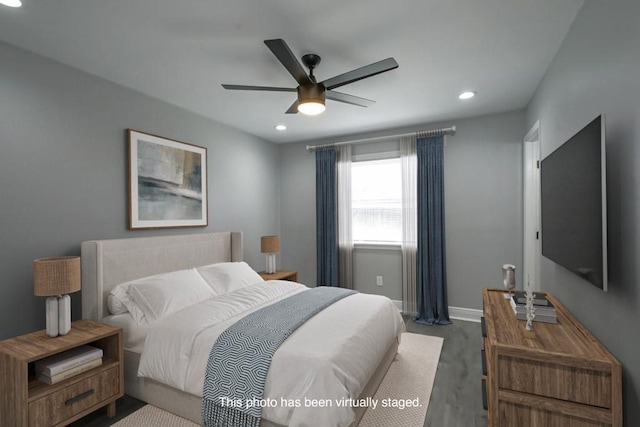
<point>382,245</point>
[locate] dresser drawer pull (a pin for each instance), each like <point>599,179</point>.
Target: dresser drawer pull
<point>79,397</point>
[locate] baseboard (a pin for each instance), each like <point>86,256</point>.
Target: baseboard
<point>468,314</point>
<point>459,313</point>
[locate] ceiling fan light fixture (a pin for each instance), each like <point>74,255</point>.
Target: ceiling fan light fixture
<point>311,100</point>
<point>311,108</point>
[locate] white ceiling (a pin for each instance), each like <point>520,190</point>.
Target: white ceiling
<point>181,51</point>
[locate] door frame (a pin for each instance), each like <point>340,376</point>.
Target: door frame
<point>531,207</point>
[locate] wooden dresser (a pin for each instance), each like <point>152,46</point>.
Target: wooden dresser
<point>563,377</point>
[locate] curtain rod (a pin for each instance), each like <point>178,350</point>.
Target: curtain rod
<point>420,133</point>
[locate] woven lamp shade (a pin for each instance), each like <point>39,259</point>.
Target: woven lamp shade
<point>269,244</point>
<point>56,276</point>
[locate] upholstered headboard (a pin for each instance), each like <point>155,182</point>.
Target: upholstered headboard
<point>106,263</point>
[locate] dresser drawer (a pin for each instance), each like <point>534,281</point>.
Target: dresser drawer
<point>77,397</point>
<point>590,387</point>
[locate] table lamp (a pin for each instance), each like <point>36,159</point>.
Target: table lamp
<point>270,245</point>
<point>55,278</point>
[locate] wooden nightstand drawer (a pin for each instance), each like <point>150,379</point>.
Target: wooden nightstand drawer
<point>69,401</point>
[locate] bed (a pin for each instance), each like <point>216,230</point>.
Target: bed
<point>108,263</point>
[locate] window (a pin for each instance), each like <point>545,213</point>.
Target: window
<point>376,201</point>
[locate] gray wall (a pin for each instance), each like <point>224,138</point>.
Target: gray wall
<point>370,262</point>
<point>596,71</point>
<point>483,190</point>
<point>63,173</point>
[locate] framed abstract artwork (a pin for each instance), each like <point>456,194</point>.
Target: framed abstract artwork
<point>167,182</point>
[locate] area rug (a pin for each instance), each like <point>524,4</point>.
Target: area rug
<point>401,400</point>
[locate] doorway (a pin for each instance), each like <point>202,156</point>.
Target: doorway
<point>531,208</point>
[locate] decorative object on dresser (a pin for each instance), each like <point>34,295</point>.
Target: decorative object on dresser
<point>531,310</point>
<point>545,311</point>
<point>167,182</point>
<point>564,377</point>
<point>55,278</point>
<point>509,278</point>
<point>28,401</point>
<point>270,245</point>
<point>280,275</point>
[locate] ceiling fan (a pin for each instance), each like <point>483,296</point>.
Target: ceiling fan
<point>311,94</point>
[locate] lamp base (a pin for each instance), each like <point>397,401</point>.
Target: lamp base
<point>58,315</point>
<point>52,316</point>
<point>271,263</point>
<point>64,314</point>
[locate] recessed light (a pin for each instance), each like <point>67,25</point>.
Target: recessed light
<point>467,95</point>
<point>11,3</point>
<point>281,127</point>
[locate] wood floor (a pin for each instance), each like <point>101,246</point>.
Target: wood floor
<point>456,399</point>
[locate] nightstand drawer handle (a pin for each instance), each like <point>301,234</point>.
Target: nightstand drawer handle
<point>79,397</point>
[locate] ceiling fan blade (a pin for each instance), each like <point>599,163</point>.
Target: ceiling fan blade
<point>293,109</point>
<point>263,88</point>
<point>281,50</point>
<point>361,73</point>
<point>348,99</point>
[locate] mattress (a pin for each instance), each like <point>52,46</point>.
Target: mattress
<point>133,334</point>
<point>344,344</point>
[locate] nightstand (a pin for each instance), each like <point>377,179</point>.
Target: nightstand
<point>280,275</point>
<point>26,401</point>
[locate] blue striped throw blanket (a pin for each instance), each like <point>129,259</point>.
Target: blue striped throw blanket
<point>240,358</point>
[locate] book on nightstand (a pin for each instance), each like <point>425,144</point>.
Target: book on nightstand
<point>67,360</point>
<point>54,379</point>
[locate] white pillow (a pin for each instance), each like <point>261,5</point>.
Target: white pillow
<point>119,302</point>
<point>226,277</point>
<point>163,294</point>
<point>115,305</point>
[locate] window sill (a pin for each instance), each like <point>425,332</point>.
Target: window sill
<point>383,246</point>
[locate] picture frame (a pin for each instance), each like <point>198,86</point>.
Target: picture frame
<point>167,182</point>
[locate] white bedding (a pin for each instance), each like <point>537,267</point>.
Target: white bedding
<point>133,333</point>
<point>329,358</point>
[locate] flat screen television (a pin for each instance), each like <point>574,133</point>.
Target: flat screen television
<point>574,204</point>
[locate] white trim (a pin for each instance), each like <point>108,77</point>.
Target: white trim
<point>531,249</point>
<point>383,246</point>
<point>468,314</point>
<point>431,132</point>
<point>382,155</point>
<point>458,313</point>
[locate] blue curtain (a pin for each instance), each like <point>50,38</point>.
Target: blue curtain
<point>431,275</point>
<point>326,218</point>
